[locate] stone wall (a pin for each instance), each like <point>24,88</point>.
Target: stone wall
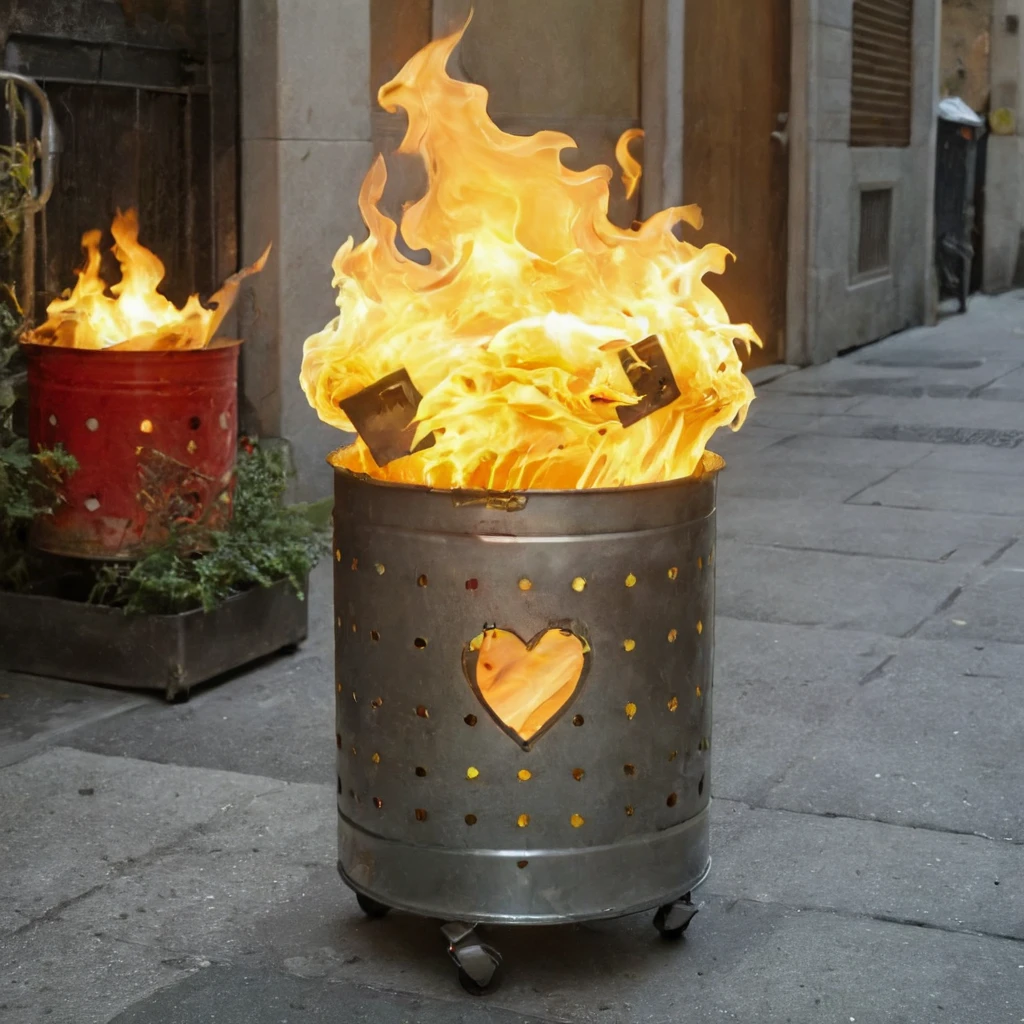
<point>965,53</point>
<point>844,309</point>
<point>305,149</point>
<point>1004,179</point>
<point>311,126</point>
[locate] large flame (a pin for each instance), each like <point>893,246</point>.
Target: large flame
<point>512,331</point>
<point>132,314</point>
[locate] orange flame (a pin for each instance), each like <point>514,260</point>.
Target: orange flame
<point>512,331</point>
<point>132,314</point>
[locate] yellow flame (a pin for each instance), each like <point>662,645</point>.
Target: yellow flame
<point>512,331</point>
<point>132,314</point>
<point>631,169</point>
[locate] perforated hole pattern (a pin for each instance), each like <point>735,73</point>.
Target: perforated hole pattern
<point>630,754</point>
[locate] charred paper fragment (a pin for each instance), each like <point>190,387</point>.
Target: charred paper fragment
<point>648,370</point>
<point>383,417</point>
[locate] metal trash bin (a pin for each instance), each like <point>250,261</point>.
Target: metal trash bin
<point>445,812</point>
<point>956,163</point>
<point>154,433</point>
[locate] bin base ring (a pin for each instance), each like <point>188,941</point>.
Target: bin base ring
<point>565,886</point>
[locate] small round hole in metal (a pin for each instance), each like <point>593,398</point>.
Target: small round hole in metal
<point>378,803</point>
<point>578,773</point>
<point>470,819</point>
<point>422,581</point>
<point>419,643</point>
<point>421,773</point>
<point>421,814</point>
<point>577,720</point>
<point>672,800</point>
<point>470,719</point>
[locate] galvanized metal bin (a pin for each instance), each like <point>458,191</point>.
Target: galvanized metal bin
<point>441,810</point>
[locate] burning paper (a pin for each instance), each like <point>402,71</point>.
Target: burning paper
<point>132,315</point>
<point>522,333</point>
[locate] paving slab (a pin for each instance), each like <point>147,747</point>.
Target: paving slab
<point>74,821</point>
<point>926,487</point>
<point>774,690</point>
<point>772,474</point>
<point>36,711</point>
<point>911,875</point>
<point>874,530</point>
<point>276,720</point>
<point>881,595</point>
<point>1008,388</point>
<point>956,412</point>
<point>991,607</point>
<point>240,995</point>
<point>933,740</point>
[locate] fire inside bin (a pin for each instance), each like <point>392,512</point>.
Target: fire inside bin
<point>524,532</point>
<point>143,397</point>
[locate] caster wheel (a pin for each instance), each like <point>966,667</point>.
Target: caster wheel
<point>673,919</point>
<point>371,908</point>
<point>479,968</point>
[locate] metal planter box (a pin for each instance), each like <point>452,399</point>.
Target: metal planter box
<point>51,636</point>
<point>445,812</point>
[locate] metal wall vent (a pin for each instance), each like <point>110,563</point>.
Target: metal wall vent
<point>873,248</point>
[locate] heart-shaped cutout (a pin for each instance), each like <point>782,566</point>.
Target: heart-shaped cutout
<point>526,686</point>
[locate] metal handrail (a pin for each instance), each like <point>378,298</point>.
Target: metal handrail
<point>49,139</point>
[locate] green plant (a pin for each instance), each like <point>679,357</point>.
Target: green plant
<point>30,484</point>
<point>265,542</point>
<point>17,162</point>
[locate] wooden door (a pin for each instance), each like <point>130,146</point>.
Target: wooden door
<point>144,93</point>
<point>736,95</point>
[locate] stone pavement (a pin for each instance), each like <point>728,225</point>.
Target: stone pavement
<point>165,864</point>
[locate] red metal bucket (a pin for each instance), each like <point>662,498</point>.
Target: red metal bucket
<point>154,434</point>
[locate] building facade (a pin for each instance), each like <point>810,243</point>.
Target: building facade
<point>805,129</point>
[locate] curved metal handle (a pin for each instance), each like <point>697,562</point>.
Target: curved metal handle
<point>49,139</point>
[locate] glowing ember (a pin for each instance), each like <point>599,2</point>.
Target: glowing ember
<point>132,314</point>
<point>514,330</point>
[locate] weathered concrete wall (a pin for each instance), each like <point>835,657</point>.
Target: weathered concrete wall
<point>305,149</point>
<point>843,309</point>
<point>548,64</point>
<point>1004,180</point>
<point>965,54</point>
